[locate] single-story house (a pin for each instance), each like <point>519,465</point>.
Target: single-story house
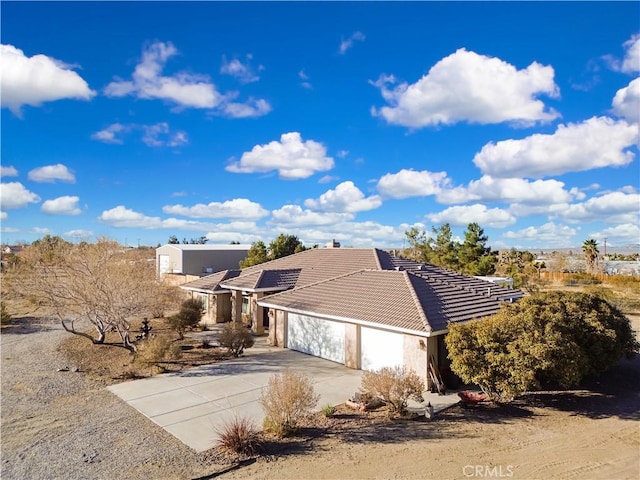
<point>364,308</point>
<point>198,260</point>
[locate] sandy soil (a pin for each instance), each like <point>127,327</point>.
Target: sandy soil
<point>592,433</point>
<point>51,428</point>
<point>580,434</point>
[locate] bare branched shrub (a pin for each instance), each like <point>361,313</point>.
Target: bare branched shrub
<point>239,436</point>
<point>102,283</point>
<point>287,399</point>
<point>235,337</point>
<point>394,386</point>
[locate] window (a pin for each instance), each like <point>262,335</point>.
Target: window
<point>204,298</point>
<point>246,309</point>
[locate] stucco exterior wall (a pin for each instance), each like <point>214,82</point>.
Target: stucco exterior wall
<point>416,354</point>
<point>352,345</point>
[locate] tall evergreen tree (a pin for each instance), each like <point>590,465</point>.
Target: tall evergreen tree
<point>474,255</point>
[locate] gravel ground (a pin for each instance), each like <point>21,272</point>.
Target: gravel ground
<point>60,425</point>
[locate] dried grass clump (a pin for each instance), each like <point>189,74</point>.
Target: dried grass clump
<point>287,399</point>
<point>394,386</point>
<point>240,436</point>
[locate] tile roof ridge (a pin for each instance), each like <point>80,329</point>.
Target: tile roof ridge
<point>376,254</point>
<point>295,289</point>
<point>409,278</point>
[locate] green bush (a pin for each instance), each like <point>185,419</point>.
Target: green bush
<point>189,316</point>
<point>235,338</point>
<point>239,436</point>
<point>394,386</point>
<point>287,399</point>
<point>549,339</point>
<point>328,410</point>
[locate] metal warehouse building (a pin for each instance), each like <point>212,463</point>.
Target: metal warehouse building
<point>188,259</point>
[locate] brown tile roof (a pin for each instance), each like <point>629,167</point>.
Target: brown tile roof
<point>265,280</point>
<point>314,265</point>
<point>397,299</point>
<point>211,283</point>
<point>366,295</point>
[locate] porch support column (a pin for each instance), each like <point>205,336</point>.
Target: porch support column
<point>257,313</point>
<point>236,306</point>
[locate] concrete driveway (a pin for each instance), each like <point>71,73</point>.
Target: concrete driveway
<point>194,404</point>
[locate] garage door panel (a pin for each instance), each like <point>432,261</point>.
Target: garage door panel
<point>316,336</point>
<point>379,348</point>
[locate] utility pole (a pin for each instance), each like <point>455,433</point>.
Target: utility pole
<point>605,246</point>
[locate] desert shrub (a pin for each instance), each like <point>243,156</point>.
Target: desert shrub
<point>239,435</point>
<point>5,315</point>
<point>287,399</point>
<point>235,338</point>
<point>328,410</point>
<point>188,317</point>
<point>549,339</point>
<point>156,350</point>
<point>576,279</point>
<point>394,386</point>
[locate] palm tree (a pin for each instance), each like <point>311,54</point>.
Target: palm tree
<point>590,249</point>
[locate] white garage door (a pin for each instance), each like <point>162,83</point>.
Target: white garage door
<point>315,336</point>
<point>380,349</point>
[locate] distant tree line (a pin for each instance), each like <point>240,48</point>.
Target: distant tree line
<point>173,240</point>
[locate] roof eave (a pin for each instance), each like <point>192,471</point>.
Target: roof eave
<point>364,323</point>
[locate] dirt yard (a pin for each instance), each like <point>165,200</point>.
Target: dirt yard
<point>65,424</point>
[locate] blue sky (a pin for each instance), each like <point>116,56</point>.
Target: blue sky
<point>346,121</point>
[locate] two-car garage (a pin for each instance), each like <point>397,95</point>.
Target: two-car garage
<point>327,339</point>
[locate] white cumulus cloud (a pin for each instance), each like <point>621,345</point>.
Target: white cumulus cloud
<point>594,143</point>
<point>122,216</point>
<point>626,102</point>
<point>291,157</point>
<point>294,215</point>
<point>160,135</point>
<point>613,207</point>
<point>15,195</point>
<point>625,234</point>
<point>244,72</point>
<point>52,173</point>
<point>249,109</point>
<point>411,183</point>
<point>509,190</point>
<point>346,197</point>
<point>65,205</point>
<point>110,134</point>
<point>550,234</point>
<point>236,208</point>
<point>631,61</point>
<point>184,89</point>
<point>469,87</point>
<point>9,171</point>
<point>79,234</point>
<point>37,79</point>
<point>462,215</point>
